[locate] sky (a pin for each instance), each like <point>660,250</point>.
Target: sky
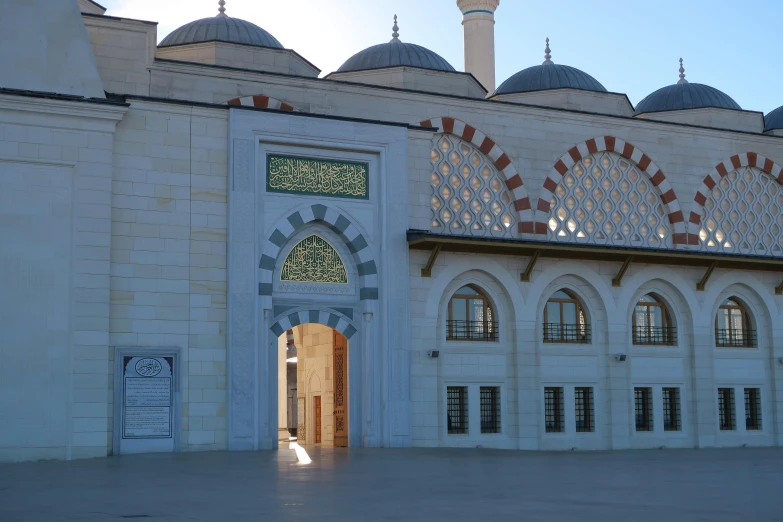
<point>630,46</point>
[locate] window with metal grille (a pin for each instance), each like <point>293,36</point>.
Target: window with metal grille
<point>671,409</point>
<point>553,410</point>
<point>470,316</point>
<point>644,409</point>
<point>457,409</point>
<point>584,410</point>
<point>652,323</point>
<point>752,409</point>
<point>733,327</point>
<point>726,414</point>
<point>565,320</point>
<point>490,409</point>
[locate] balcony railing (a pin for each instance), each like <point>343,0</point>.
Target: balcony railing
<point>735,338</point>
<point>471,330</point>
<point>660,335</point>
<point>566,333</point>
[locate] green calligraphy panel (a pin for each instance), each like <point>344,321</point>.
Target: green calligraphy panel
<point>298,175</point>
<point>314,260</point>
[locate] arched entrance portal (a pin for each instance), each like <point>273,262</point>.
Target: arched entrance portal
<point>313,386</point>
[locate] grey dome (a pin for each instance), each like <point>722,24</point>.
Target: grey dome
<point>774,120</point>
<point>682,96</point>
<point>221,28</point>
<point>549,76</point>
<point>396,54</point>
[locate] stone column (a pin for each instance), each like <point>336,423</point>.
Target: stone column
<point>478,21</point>
<point>528,384</point>
<point>282,388</point>
<point>704,398</point>
<point>618,380</point>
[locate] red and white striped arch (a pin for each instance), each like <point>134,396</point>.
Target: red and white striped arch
<point>722,169</point>
<point>500,159</point>
<point>263,102</point>
<point>629,152</point>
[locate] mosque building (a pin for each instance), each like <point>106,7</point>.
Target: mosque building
<point>209,244</point>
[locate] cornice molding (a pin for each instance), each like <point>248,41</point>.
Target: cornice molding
<point>101,117</point>
<point>478,5</point>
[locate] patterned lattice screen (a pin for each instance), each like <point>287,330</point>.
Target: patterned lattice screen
<point>605,199</point>
<point>743,214</point>
<point>469,194</point>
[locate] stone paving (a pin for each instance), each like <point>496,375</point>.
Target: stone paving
<point>361,485</point>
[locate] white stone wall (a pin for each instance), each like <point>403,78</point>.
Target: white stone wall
<point>523,364</point>
<point>55,203</point>
<point>168,285</point>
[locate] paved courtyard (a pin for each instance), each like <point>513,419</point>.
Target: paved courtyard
<point>415,484</point>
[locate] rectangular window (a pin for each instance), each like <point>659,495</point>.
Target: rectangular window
<point>553,410</point>
<point>457,409</point>
<point>584,411</point>
<point>671,409</point>
<point>644,409</point>
<point>490,409</point>
<point>726,413</point>
<point>752,409</point>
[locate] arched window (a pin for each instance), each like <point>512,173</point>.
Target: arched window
<point>471,317</point>
<point>733,328</point>
<point>652,323</point>
<point>564,319</point>
<point>469,195</point>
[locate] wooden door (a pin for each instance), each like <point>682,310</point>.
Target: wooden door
<point>340,349</point>
<point>317,413</point>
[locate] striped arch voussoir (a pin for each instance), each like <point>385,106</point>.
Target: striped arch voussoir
<point>747,159</point>
<point>354,240</point>
<point>502,162</point>
<point>325,317</point>
<point>629,152</point>
<point>263,102</point>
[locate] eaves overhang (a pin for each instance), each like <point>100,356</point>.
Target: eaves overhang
<point>434,242</point>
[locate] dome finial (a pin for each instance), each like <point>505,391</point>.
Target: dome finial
<point>547,54</point>
<point>222,9</point>
<point>682,74</point>
<point>395,29</point>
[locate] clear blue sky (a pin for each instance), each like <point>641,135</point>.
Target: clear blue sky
<point>630,46</point>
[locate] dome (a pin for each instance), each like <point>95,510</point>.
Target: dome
<point>221,28</point>
<point>549,75</point>
<point>684,95</point>
<point>774,120</point>
<point>395,54</point>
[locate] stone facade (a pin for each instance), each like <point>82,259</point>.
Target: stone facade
<point>144,220</point>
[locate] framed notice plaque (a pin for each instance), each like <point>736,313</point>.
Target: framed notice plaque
<point>147,400</point>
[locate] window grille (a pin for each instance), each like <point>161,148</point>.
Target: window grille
<point>644,409</point>
<point>584,410</point>
<point>743,214</point>
<point>726,414</point>
<point>566,333</point>
<point>472,330</point>
<point>457,409</point>
<point>655,335</point>
<point>469,195</point>
<point>490,409</point>
<point>671,409</point>
<point>605,199</point>
<point>752,409</point>
<point>553,410</point>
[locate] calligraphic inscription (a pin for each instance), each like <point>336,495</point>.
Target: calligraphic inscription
<point>147,412</point>
<point>148,367</point>
<point>297,175</point>
<point>314,260</point>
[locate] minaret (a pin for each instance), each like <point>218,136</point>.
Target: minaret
<point>478,19</point>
